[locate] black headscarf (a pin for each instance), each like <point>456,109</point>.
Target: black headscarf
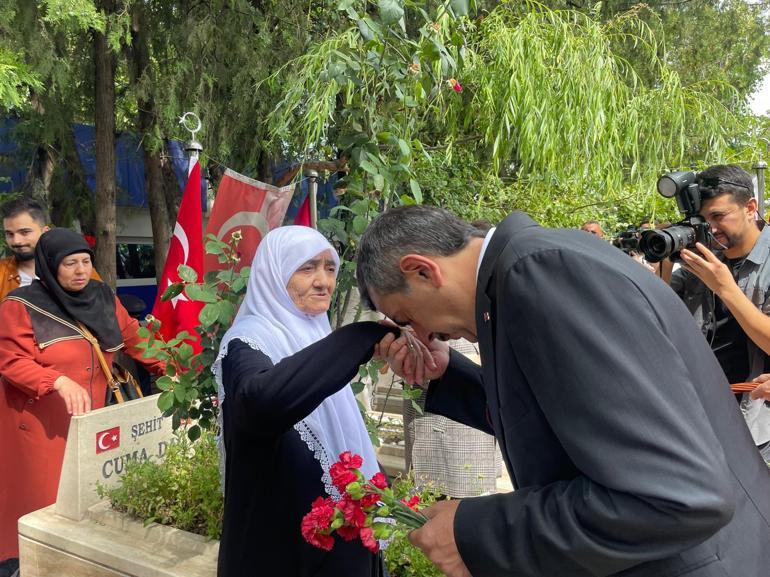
<point>93,305</point>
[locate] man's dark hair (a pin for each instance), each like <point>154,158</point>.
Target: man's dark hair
<point>17,206</point>
<point>724,179</point>
<point>416,229</point>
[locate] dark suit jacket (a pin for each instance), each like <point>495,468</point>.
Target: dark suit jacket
<point>616,423</point>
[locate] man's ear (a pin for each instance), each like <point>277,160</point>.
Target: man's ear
<point>419,267</point>
<point>751,205</point>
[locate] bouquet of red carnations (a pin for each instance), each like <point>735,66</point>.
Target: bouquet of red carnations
<point>363,512</point>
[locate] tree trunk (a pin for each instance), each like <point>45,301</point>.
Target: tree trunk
<point>38,182</point>
<point>104,119</point>
<point>156,197</point>
<point>173,194</point>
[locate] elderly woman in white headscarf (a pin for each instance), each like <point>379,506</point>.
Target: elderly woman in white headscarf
<point>288,412</point>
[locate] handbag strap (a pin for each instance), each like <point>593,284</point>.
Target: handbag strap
<point>99,355</point>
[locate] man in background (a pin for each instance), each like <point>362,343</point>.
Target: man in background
<point>24,221</point>
<point>593,227</point>
<point>727,292</point>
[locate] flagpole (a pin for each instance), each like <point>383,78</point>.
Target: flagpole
<point>193,147</point>
<point>312,190</point>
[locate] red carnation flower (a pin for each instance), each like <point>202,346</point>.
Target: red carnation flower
<point>369,500</point>
<point>367,538</point>
<point>315,525</point>
<point>351,461</point>
<point>320,540</point>
<point>380,481</point>
<point>348,533</point>
<point>354,515</point>
<point>352,512</point>
<point>342,476</point>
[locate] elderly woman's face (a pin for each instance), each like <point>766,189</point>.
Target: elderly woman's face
<point>312,284</point>
<point>74,271</point>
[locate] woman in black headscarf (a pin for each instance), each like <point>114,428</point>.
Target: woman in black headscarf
<point>49,371</point>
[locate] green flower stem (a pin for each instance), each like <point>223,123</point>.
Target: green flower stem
<point>409,520</point>
<point>408,516</point>
<point>399,510</point>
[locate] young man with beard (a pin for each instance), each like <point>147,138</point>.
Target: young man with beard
<point>23,222</point>
<point>728,293</point>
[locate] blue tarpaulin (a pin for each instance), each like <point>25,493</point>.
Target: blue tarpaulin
<point>325,196</point>
<point>129,165</point>
<point>15,158</point>
<point>129,169</point>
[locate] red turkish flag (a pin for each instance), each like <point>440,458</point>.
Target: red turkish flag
<point>186,247</point>
<point>248,205</point>
<point>108,439</point>
<point>303,214</point>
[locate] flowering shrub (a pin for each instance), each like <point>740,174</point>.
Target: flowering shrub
<point>363,512</point>
<point>188,389</point>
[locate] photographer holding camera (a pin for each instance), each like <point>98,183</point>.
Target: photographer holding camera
<point>728,293</point>
<point>628,241</point>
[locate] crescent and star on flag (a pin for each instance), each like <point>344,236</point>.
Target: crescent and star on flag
<point>181,237</point>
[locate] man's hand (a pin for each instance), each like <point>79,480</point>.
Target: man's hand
<point>763,390</point>
<point>75,397</point>
<point>638,258</point>
<point>709,269</point>
<point>411,359</point>
<point>437,539</point>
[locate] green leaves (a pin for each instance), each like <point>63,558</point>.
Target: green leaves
<point>187,273</point>
<point>172,291</point>
<point>209,315</point>
<point>391,11</point>
<point>459,7</point>
<point>360,224</point>
<point>416,190</point>
<point>201,293</point>
<point>188,385</point>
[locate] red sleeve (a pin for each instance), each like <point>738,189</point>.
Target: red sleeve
<point>18,366</point>
<point>129,327</point>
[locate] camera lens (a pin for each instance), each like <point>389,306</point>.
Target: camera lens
<point>656,245</point>
<point>659,244</point>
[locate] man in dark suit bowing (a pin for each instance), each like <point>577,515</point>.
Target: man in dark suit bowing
<point>613,416</point>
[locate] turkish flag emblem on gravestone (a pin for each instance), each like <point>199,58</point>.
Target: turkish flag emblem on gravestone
<point>107,440</point>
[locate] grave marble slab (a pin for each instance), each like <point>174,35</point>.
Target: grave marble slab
<point>100,443</point>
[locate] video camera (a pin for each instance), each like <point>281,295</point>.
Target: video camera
<point>668,242</point>
<point>628,240</point>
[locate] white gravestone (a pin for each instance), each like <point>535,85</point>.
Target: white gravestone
<point>99,445</point>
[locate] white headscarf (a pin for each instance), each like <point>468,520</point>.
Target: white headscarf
<point>269,321</point>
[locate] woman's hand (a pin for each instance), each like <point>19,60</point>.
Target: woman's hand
<point>411,359</point>
<point>75,397</point>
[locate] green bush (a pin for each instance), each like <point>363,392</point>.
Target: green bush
<point>401,557</point>
<point>181,491</point>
